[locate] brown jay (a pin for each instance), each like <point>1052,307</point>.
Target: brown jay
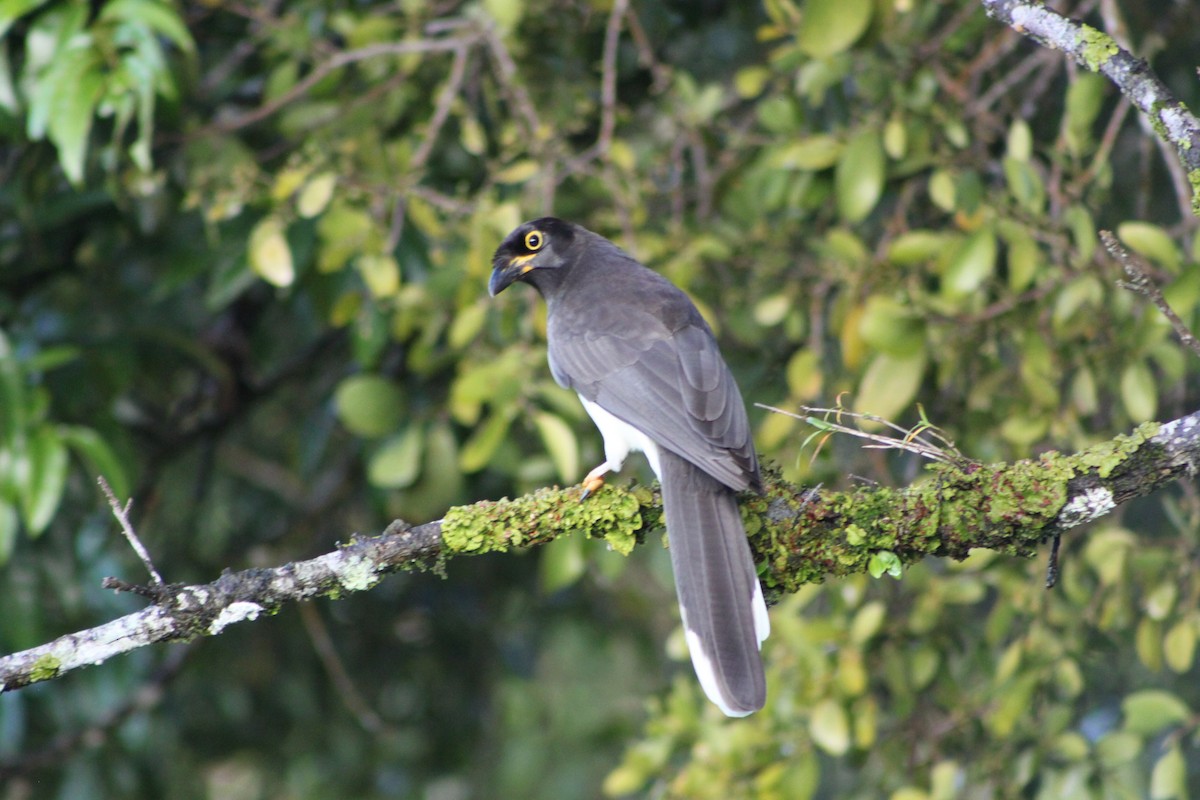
<point>650,375</point>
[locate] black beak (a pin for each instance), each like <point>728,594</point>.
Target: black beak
<point>503,275</point>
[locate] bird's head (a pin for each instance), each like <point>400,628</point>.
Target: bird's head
<point>542,244</point>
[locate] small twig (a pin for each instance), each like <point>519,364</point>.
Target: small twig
<point>509,79</point>
<point>1140,283</point>
<point>441,112</point>
<point>353,699</point>
<point>943,451</point>
<point>154,593</point>
<point>608,79</point>
<point>325,68</point>
<point>122,515</point>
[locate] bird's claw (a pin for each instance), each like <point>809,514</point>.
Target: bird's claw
<point>591,483</point>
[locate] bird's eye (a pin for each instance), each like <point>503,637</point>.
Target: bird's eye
<point>534,240</point>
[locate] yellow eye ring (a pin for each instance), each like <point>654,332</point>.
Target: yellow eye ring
<point>534,240</point>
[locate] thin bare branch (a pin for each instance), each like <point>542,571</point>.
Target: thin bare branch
<point>122,515</point>
<point>1141,283</point>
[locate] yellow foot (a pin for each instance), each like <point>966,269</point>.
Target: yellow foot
<point>591,483</point>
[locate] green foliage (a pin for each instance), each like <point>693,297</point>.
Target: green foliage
<point>242,275</point>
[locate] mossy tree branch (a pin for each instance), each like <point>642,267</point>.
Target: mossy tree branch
<point>1099,52</point>
<point>798,536</point>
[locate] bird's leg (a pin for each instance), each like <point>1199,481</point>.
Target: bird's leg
<point>594,480</point>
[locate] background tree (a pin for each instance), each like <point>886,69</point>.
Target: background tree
<point>242,275</point>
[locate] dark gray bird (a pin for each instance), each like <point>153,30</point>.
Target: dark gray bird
<point>647,368</point>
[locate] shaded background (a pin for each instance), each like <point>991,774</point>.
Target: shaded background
<point>243,258</point>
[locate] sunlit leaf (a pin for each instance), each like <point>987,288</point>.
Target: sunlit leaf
<point>1168,779</point>
<point>890,384</point>
<point>559,441</point>
<point>828,27</point>
<point>1150,241</point>
<point>1139,392</point>
<point>829,726</point>
<point>316,194</point>
<point>270,255</point>
<point>859,176</point>
<point>1150,710</point>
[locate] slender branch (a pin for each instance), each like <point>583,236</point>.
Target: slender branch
<point>441,112</point>
<point>319,72</point>
<point>122,515</point>
<point>1099,52</point>
<point>1140,283</point>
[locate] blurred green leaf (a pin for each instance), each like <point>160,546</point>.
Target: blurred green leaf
<point>369,405</point>
<point>1150,710</point>
<point>827,27</point>
<point>829,726</point>
<point>890,384</point>
<point>859,176</point>
<point>1139,392</point>
<point>559,441</point>
<point>10,521</point>
<point>47,479</point>
<point>892,327</point>
<point>397,462</point>
<point>269,253</point>
<point>482,444</point>
<point>972,265</point>
<point>1150,241</point>
<point>561,563</point>
<point>1168,779</point>
<point>101,460</point>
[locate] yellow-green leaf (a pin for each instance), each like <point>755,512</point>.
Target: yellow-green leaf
<point>827,27</point>
<point>368,405</point>
<point>829,727</point>
<point>1139,392</point>
<point>859,176</point>
<point>270,255</point>
<point>1020,140</point>
<point>479,448</point>
<point>972,266</point>
<point>316,194</point>
<point>1150,241</point>
<point>1179,646</point>
<point>811,153</point>
<point>918,246</point>
<point>47,478</point>
<point>9,521</point>
<point>1168,779</point>
<point>397,463</point>
<point>519,172</point>
<point>889,384</point>
<point>891,327</point>
<point>1151,710</point>
<point>380,273</point>
<point>559,440</point>
<point>867,621</point>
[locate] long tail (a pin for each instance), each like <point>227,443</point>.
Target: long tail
<point>724,615</point>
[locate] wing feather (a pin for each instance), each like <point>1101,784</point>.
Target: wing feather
<point>659,369</point>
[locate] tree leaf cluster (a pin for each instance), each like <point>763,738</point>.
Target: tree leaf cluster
<point>243,261</point>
